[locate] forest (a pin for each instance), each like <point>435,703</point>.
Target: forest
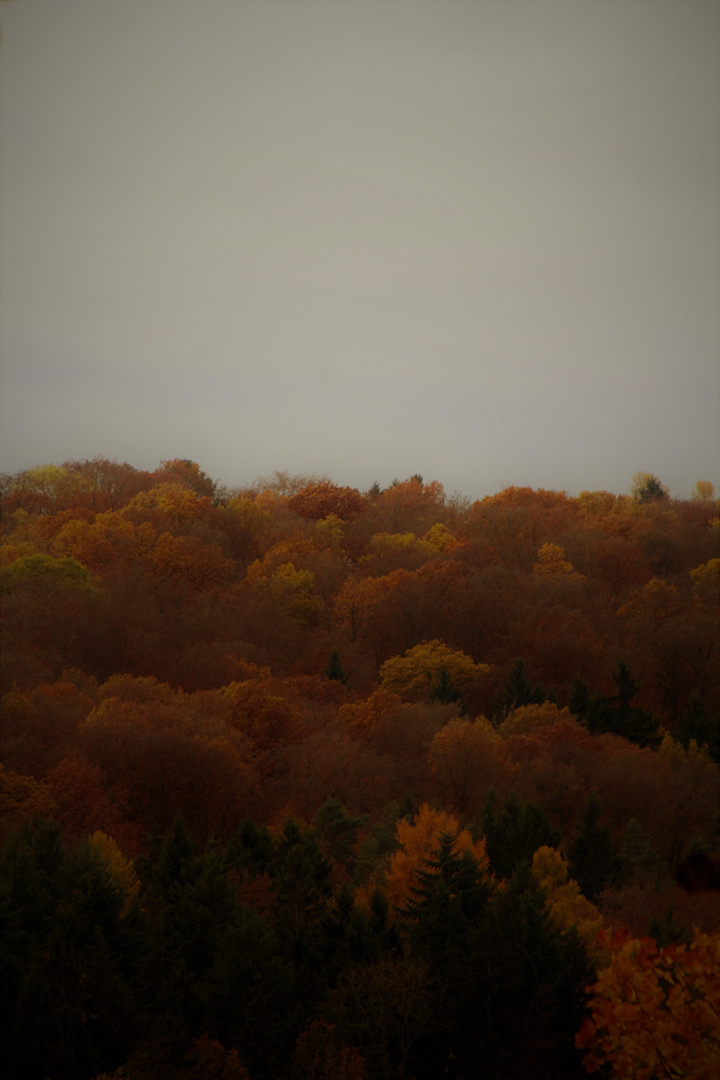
<point>300,782</point>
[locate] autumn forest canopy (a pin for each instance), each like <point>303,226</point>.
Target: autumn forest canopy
<point>304,782</point>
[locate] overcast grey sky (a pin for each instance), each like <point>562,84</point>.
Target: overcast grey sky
<point>476,240</point>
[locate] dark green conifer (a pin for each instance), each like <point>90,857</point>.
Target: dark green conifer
<point>592,859</point>
<point>514,831</point>
<point>334,669</point>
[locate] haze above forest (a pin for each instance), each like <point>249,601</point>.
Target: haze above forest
<point>476,241</point>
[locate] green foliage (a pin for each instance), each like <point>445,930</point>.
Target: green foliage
<point>513,832</point>
<point>646,488</point>
<point>334,669</point>
<point>535,990</point>
<point>41,572</point>
<point>696,724</point>
<point>592,859</point>
<point>337,830</point>
<point>519,690</point>
<point>444,691</point>
<point>67,957</point>
<point>639,862</point>
<point>617,716</point>
<point>667,932</point>
<point>450,897</point>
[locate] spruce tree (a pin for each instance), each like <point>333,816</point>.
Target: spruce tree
<point>592,860</point>
<point>514,831</point>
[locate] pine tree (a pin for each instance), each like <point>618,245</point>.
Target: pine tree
<point>592,860</point>
<point>334,669</point>
<point>514,832</point>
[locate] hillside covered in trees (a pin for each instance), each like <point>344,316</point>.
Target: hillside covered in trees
<point>301,782</point>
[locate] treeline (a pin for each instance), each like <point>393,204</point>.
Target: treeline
<point>301,781</point>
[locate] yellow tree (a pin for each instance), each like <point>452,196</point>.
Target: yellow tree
<point>121,870</point>
<point>563,898</point>
<point>421,669</point>
<point>703,491</point>
<point>526,719</point>
<point>552,561</point>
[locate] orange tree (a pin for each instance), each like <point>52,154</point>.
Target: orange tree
<point>655,1012</point>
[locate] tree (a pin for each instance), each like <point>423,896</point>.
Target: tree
<point>616,715</point>
<point>417,840</point>
<point>563,898</point>
<point>703,491</point>
<point>337,830</point>
<point>646,488</point>
<point>419,670</point>
<point>552,562</point>
<point>466,759</point>
<point>513,832</point>
<point>520,691</point>
<point>535,978</point>
<point>593,860</point>
<point>190,559</point>
<point>317,501</point>
<point>334,669</point>
<point>654,1010</point>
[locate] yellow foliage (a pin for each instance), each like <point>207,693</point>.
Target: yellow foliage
<point>397,545</point>
<point>24,796</point>
<point>121,869</point>
<point>418,840</point>
<point>528,718</point>
<point>564,900</point>
<point>551,561</point>
<point>10,551</point>
<point>703,491</point>
<point>440,537</point>
<point>706,583</point>
<point>420,668</point>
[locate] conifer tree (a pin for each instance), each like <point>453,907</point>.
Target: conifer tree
<point>592,859</point>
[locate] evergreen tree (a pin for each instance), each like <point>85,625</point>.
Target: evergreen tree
<point>616,715</point>
<point>534,995</point>
<point>697,724</point>
<point>334,669</point>
<point>592,860</point>
<point>638,859</point>
<point>579,698</point>
<point>514,831</point>
<point>445,692</point>
<point>337,830</point>
<point>520,691</point>
<point>67,960</point>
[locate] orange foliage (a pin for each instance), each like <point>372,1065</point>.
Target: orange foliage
<point>418,840</point>
<point>355,603</point>
<point>363,717</point>
<point>317,501</point>
<point>467,760</point>
<point>190,559</point>
<point>655,1011</point>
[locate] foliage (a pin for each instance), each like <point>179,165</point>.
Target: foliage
<point>563,898</point>
<point>420,669</point>
<point>298,831</point>
<point>646,488</point>
<point>654,1010</point>
<point>417,840</point>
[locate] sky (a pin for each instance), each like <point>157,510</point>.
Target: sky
<point>474,240</point>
